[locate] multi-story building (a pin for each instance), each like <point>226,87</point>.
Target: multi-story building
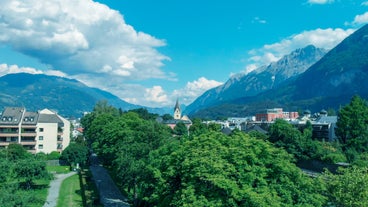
<point>42,131</point>
<point>276,113</point>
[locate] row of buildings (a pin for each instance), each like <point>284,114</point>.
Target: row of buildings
<point>41,131</point>
<point>323,125</point>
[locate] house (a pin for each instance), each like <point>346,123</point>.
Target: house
<point>324,127</point>
<point>42,131</point>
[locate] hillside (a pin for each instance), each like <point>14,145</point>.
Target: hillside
<point>68,97</point>
<point>329,83</point>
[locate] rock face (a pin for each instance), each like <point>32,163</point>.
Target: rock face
<point>261,79</point>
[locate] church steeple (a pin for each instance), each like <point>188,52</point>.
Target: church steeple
<point>177,110</point>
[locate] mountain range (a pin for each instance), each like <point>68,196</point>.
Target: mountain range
<point>328,83</point>
<point>261,79</point>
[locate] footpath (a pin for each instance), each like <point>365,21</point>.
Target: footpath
<point>110,195</point>
<point>53,192</point>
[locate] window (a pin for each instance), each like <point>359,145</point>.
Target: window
<point>40,146</point>
<point>40,138</point>
<point>41,129</point>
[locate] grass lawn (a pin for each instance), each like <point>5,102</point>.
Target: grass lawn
<point>70,192</point>
<point>58,169</point>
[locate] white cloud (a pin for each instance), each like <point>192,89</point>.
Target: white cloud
<point>6,69</point>
<point>80,37</point>
<point>259,20</point>
<point>322,38</point>
<point>365,3</point>
<point>361,19</point>
<point>320,1</point>
<point>194,89</point>
<point>156,94</point>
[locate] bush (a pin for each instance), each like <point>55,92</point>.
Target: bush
<point>53,155</point>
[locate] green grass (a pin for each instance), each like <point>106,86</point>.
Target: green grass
<point>58,169</point>
<point>70,192</point>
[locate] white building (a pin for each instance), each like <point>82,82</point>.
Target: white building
<point>42,131</point>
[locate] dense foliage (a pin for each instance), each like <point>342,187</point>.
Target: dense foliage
<point>213,169</point>
<point>302,145</point>
<point>352,127</point>
<point>158,166</point>
<point>206,168</point>
<point>75,154</point>
<point>18,171</point>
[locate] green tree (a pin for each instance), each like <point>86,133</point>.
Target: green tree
<point>75,153</point>
<point>144,114</point>
<point>30,169</point>
<point>180,129</point>
<point>284,135</point>
<point>197,127</point>
<point>348,188</point>
<point>16,152</point>
<point>131,145</point>
<point>213,169</point>
<point>5,170</point>
<point>352,126</point>
<point>54,155</point>
<point>166,117</point>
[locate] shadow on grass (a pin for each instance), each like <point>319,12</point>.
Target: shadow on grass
<point>32,186</point>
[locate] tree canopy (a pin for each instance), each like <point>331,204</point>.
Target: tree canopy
<point>352,127</point>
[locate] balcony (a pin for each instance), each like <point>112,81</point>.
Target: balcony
<point>29,134</point>
<point>8,134</point>
<point>29,126</point>
<point>25,142</point>
<point>2,144</point>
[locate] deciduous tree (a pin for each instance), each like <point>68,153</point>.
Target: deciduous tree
<point>352,126</point>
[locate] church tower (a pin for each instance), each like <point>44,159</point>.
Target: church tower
<point>177,110</point>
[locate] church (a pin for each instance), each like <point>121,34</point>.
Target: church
<point>178,117</point>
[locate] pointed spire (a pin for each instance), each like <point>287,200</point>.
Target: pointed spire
<point>177,110</point>
<point>177,105</point>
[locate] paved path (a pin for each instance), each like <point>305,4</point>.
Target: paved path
<point>53,192</point>
<point>110,195</point>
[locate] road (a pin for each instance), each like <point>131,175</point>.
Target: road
<point>110,195</point>
<point>53,192</point>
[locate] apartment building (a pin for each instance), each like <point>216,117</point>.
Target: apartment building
<point>42,131</point>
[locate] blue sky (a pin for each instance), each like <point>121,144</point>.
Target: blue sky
<point>153,52</point>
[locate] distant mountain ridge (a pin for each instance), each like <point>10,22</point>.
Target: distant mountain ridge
<point>67,96</point>
<point>261,79</point>
<point>329,83</point>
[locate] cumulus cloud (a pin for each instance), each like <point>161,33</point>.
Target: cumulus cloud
<point>80,37</point>
<point>320,1</point>
<point>156,94</point>
<point>194,89</point>
<point>361,19</point>
<point>322,38</point>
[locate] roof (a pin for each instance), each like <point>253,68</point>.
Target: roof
<point>50,118</point>
<point>12,115</point>
<point>30,118</point>
<point>176,121</point>
<point>256,128</point>
<point>327,119</point>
